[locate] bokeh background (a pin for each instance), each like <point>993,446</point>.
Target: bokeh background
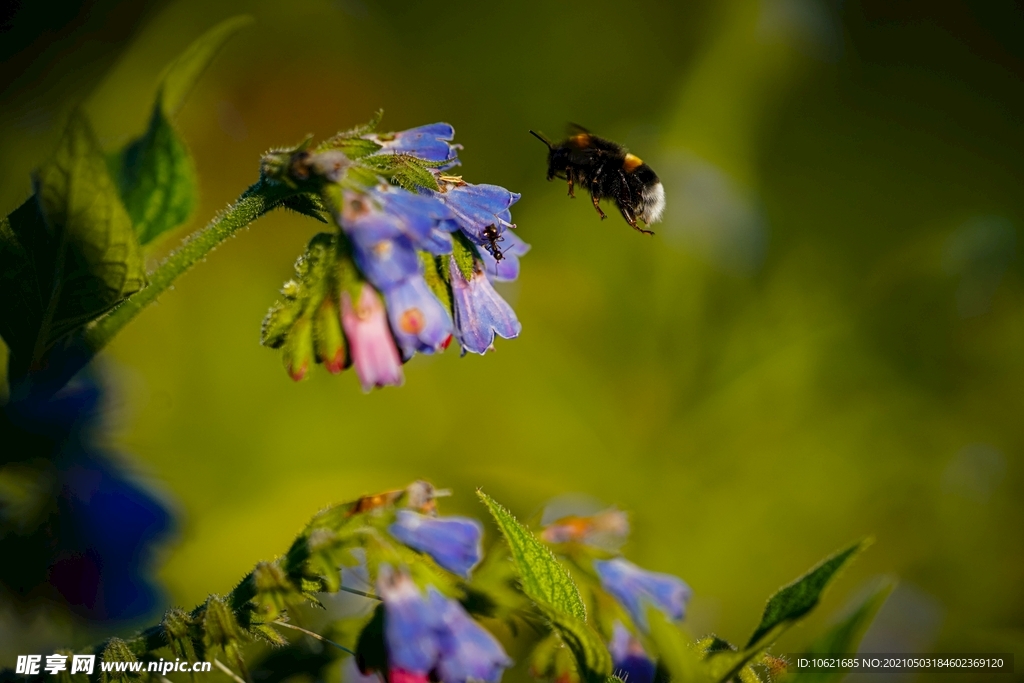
<point>825,339</point>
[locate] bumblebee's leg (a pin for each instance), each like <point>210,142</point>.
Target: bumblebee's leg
<point>569,176</point>
<point>627,213</point>
<point>595,192</point>
<point>626,207</point>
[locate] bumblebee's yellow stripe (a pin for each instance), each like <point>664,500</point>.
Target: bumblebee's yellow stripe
<point>631,163</point>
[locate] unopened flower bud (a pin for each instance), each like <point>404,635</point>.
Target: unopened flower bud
<point>298,349</point>
<point>329,341</point>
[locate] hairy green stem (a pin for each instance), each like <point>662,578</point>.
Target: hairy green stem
<point>254,202</point>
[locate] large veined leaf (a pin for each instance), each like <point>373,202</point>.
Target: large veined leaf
<point>69,253</point>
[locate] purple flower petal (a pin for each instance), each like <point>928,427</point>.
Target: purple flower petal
<point>454,542</point>
<point>419,216</point>
<point>410,623</point>
<point>430,142</point>
<point>466,650</point>
<point>418,320</point>
<point>637,588</point>
<point>480,312</point>
<point>386,263</point>
<point>478,206</point>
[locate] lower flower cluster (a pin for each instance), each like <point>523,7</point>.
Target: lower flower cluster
<point>626,593</point>
<point>411,265</point>
<point>442,611</point>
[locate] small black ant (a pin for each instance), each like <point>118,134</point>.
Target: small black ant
<point>492,236</point>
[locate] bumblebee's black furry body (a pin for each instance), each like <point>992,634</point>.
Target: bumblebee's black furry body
<point>607,170</point>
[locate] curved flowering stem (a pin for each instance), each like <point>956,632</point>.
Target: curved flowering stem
<point>254,202</point>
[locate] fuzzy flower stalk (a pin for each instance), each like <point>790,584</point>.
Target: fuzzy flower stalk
<point>411,264</point>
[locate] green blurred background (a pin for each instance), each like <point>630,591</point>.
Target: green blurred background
<point>824,340</point>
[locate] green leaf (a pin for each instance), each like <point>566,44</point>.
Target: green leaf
<point>155,174</point>
<point>845,636</point>
<point>795,600</point>
<point>69,253</point>
<point>544,579</point>
<point>157,179</point>
<point>182,74</point>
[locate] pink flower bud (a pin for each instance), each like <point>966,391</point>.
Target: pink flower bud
<point>374,354</point>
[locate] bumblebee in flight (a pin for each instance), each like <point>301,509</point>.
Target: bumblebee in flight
<point>607,170</point>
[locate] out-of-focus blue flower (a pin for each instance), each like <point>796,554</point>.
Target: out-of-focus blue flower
<point>478,206</point>
<point>431,142</point>
<point>480,312</point>
<point>419,321</point>
<point>467,651</point>
<point>84,529</point>
<point>410,623</point>
<point>434,635</point>
<point>454,542</point>
<point>636,589</point>
<point>631,662</point>
<point>507,269</point>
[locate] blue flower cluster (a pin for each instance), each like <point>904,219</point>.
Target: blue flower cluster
<point>426,257</point>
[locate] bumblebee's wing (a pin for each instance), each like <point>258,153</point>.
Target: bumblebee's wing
<point>576,129</point>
